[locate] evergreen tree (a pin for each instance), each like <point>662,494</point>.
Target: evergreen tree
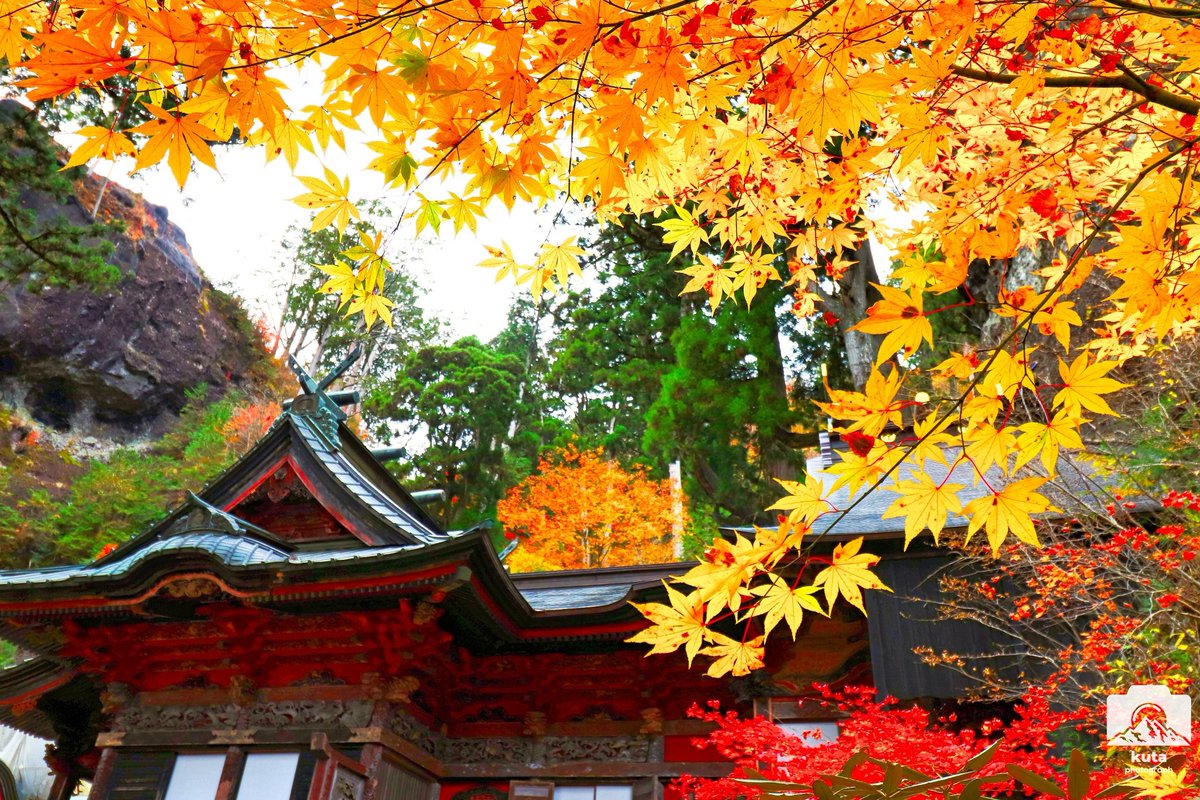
<point>612,342</point>
<point>723,410</point>
<point>40,248</point>
<point>454,404</point>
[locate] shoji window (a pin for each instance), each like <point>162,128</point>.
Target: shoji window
<point>195,777</point>
<point>268,776</point>
<point>600,792</point>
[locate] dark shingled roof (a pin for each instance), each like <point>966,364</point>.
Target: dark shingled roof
<point>342,468</point>
<point>231,550</point>
<point>575,597</point>
<point>23,678</point>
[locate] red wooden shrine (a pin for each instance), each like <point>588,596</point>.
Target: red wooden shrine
<point>303,629</point>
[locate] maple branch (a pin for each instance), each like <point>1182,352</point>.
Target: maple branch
<point>957,406</point>
<point>1157,11</point>
<point>1127,81</point>
<point>644,14</point>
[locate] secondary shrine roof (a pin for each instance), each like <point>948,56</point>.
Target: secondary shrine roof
<point>309,520</point>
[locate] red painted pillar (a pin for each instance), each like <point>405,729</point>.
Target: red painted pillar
<point>372,754</point>
<point>64,787</point>
<point>234,757</point>
<point>102,781</point>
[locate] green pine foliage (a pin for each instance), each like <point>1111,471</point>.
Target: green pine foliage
<point>44,249</point>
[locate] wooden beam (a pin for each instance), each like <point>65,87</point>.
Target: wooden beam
<point>586,769</point>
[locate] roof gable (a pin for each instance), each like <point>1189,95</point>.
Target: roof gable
<point>308,482</point>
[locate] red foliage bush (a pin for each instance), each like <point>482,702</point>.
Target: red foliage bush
<point>904,734</point>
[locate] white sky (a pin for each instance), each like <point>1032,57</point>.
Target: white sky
<point>235,220</point>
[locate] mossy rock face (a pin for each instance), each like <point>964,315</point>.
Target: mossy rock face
<point>112,352</point>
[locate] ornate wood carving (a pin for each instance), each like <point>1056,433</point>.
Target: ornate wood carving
<point>559,749</point>
<point>347,785</point>
<point>495,751</point>
<point>277,715</point>
<point>295,714</point>
<point>192,589</point>
<point>502,750</point>
<point>413,732</point>
<point>177,718</point>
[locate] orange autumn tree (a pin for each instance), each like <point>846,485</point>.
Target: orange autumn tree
<point>582,510</point>
<point>760,134</point>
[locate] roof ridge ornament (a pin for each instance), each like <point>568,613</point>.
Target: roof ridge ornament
<point>207,517</point>
<point>314,404</point>
<point>204,517</point>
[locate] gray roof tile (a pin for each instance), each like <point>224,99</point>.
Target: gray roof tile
<point>362,488</point>
<point>574,598</point>
<point>231,550</point>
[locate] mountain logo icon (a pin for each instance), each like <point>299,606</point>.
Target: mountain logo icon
<point>1149,716</point>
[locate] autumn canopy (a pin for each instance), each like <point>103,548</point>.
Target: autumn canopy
<point>762,134</point>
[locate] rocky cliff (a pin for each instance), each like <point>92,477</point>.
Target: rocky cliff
<point>117,362</point>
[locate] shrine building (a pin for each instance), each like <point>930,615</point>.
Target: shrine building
<point>301,628</point>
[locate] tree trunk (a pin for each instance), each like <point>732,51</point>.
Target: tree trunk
<point>849,303</point>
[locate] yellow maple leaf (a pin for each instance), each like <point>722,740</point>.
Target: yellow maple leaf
<point>1008,373</point>
<point>684,232</point>
<point>1159,784</point>
<point>372,305</point>
<point>464,212</point>
<point>734,657</point>
<point>342,280</point>
<point>779,541</point>
<point>959,365</point>
<point>726,568</point>
<point>752,270</point>
<point>1056,320</point>
<point>870,410</point>
<point>601,169</point>
<point>780,602</point>
<point>562,259</point>
<point>368,254</point>
<point>989,444</point>
<point>680,624</point>
<point>503,261</point>
<point>177,139</point>
<point>1008,511</point>
<point>900,317</point>
<point>804,501</point>
<point>932,439</point>
<point>1045,439</point>
<point>1084,383</point>
<point>923,503</point>
<point>744,149</point>
<point>332,197</point>
<point>855,471</point>
<point>286,139</point>
<point>710,277</point>
<point>429,213</point>
<point>100,142</point>
<point>848,573</point>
